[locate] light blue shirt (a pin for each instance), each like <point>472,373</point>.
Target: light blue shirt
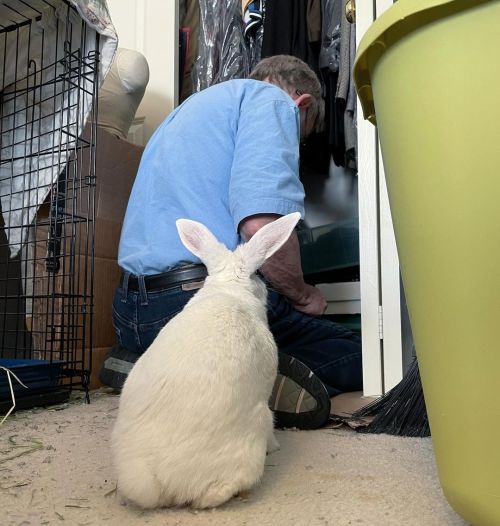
<point>228,152</point>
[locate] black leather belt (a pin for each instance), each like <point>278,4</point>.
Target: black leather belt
<point>172,278</point>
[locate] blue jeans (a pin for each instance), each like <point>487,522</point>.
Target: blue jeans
<point>330,350</point>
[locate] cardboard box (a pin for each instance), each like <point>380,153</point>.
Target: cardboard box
<point>98,355</point>
<point>117,162</point>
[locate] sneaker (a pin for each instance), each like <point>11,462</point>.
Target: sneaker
<point>117,364</point>
<point>299,398</point>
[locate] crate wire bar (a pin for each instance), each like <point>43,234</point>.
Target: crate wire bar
<point>49,67</point>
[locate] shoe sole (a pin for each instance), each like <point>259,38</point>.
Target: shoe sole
<point>299,398</point>
<point>117,364</point>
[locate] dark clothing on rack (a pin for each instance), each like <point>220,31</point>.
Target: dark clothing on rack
<point>318,32</point>
<point>253,20</point>
<point>293,27</point>
<point>314,20</point>
<point>286,31</point>
<point>336,58</point>
<point>334,119</point>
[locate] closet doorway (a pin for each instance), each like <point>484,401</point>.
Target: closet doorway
<point>152,27</point>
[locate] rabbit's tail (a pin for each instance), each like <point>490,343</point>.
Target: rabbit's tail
<point>217,493</point>
<point>138,484</point>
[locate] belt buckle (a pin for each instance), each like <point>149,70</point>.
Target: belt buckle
<point>193,285</point>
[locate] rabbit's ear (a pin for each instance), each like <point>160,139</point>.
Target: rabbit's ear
<point>202,243</point>
<point>267,240</point>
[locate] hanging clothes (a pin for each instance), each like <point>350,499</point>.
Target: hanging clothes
<point>336,60</point>
<point>253,20</point>
<point>222,52</point>
<point>293,27</point>
<point>286,31</point>
<point>350,115</point>
<point>314,20</point>
<point>329,60</point>
<point>344,83</point>
<point>189,21</point>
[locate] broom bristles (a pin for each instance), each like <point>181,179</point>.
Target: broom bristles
<point>401,411</point>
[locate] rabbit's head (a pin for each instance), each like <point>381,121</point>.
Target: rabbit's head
<point>237,267</point>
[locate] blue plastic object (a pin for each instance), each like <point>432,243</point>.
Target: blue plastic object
<point>37,375</point>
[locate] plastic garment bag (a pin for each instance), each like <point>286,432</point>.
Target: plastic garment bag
<point>222,52</point>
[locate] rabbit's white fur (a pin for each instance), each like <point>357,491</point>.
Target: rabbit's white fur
<point>194,424</point>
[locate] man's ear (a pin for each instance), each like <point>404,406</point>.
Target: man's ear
<point>304,100</point>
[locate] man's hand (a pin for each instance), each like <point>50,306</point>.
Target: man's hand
<point>284,271</point>
<point>312,303</point>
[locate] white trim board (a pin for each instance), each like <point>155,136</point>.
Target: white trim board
<point>379,264</point>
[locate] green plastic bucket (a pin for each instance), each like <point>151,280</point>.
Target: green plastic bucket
<point>428,75</point>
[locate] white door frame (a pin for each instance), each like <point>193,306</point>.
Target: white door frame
<point>379,264</point>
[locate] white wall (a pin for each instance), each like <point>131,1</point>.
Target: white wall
<point>159,43</point>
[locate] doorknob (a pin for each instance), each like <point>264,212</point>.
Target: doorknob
<point>350,11</point>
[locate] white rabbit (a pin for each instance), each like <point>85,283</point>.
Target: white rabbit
<point>194,424</point>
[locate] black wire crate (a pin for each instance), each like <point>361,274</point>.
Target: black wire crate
<point>49,58</point>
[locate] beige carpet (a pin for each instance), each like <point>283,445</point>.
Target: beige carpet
<point>55,469</point>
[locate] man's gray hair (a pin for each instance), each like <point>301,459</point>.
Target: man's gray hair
<point>295,77</point>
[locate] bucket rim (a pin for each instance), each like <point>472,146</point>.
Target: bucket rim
<point>402,18</point>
